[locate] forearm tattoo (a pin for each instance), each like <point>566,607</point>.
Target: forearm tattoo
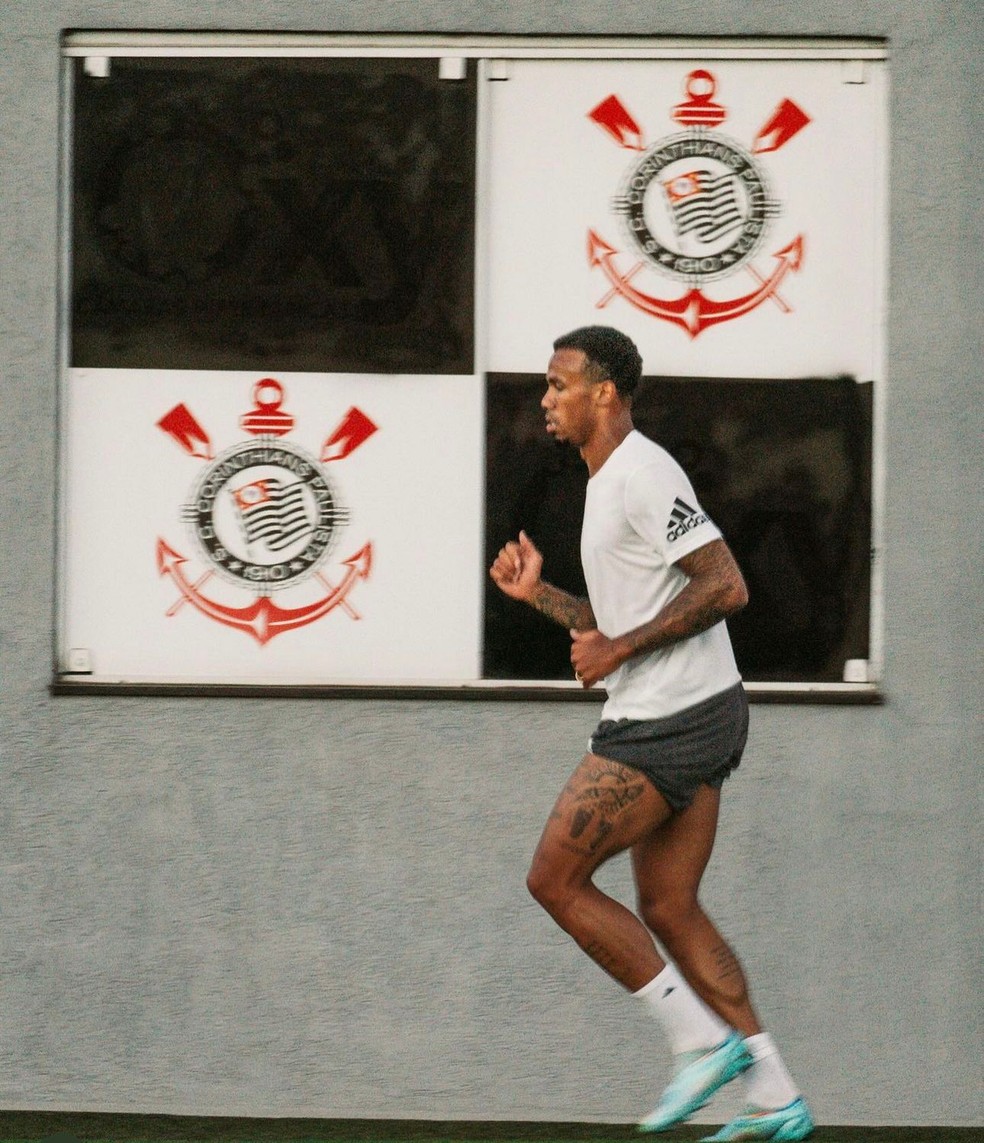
<point>568,610</point>
<point>680,619</point>
<point>715,590</point>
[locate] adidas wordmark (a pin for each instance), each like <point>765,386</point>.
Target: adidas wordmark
<point>683,519</point>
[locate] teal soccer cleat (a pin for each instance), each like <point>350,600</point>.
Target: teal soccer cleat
<point>695,1083</point>
<point>783,1125</point>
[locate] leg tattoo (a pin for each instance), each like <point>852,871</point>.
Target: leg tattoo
<point>602,794</point>
<point>726,961</point>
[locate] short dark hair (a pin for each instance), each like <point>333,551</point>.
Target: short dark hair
<point>608,351</point>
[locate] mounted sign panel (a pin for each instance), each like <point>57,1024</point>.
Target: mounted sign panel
<point>311,288</point>
<point>722,215</point>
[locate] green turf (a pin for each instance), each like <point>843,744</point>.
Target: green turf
<point>90,1127</point>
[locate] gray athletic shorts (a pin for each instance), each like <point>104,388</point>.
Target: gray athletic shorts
<point>697,746</point>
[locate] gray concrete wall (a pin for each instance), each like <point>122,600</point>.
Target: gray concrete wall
<point>264,907</point>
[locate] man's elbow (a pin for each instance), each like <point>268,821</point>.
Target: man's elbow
<point>736,596</point>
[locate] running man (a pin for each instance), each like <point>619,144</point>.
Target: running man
<point>661,581</point>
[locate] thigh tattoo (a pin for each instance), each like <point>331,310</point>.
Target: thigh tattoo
<point>600,793</point>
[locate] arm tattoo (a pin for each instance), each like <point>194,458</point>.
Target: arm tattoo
<point>679,621</point>
<point>568,610</point>
<point>714,591</point>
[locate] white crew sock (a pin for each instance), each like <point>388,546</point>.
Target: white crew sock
<point>767,1082</point>
<point>688,1022</point>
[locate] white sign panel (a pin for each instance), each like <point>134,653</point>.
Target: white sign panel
<point>727,215</point>
<point>237,527</point>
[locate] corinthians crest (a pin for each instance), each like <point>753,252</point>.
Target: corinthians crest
<point>265,518</point>
<point>696,208</point>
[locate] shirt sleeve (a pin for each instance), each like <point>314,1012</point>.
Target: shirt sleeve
<point>662,507</point>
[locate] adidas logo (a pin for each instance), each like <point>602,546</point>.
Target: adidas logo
<point>683,519</point>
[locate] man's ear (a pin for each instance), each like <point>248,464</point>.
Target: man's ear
<point>607,392</point>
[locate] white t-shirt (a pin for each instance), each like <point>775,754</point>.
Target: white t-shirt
<point>640,517</point>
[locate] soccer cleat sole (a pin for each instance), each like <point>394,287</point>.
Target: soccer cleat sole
<point>784,1125</point>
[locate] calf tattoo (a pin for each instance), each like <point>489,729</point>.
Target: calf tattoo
<point>603,957</point>
<point>726,961</point>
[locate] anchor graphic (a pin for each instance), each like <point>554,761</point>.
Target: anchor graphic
<point>694,311</point>
<point>262,618</point>
<point>707,189</point>
<point>282,505</point>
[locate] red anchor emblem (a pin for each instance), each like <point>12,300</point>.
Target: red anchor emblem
<point>262,618</point>
<point>697,208</point>
<point>265,516</point>
<point>694,311</point>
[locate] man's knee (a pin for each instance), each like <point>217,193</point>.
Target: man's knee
<point>669,914</point>
<point>541,882</point>
<point>549,886</point>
